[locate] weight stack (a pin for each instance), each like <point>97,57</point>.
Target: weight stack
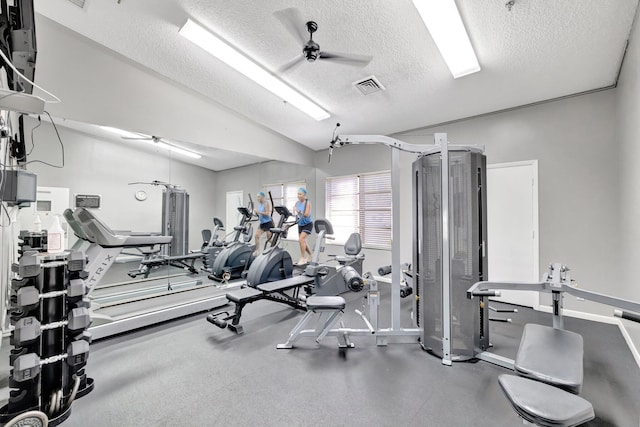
<point>50,340</point>
<point>465,320</point>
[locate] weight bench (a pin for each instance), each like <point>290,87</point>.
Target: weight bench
<point>327,310</point>
<point>272,291</point>
<point>186,262</point>
<point>549,361</point>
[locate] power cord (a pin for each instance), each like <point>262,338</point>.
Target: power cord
<point>33,145</point>
<point>59,140</point>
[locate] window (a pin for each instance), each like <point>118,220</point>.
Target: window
<point>361,203</point>
<point>285,194</point>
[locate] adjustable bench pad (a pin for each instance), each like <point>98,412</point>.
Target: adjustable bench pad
<point>286,284</point>
<point>245,295</point>
<point>553,356</point>
<point>543,404</point>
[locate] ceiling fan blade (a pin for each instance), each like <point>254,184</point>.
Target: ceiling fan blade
<point>345,58</point>
<point>293,22</point>
<point>291,64</point>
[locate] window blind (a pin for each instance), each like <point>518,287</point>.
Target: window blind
<point>360,203</point>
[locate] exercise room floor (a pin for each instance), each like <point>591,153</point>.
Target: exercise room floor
<point>191,373</point>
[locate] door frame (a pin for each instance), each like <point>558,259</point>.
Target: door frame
<point>536,223</point>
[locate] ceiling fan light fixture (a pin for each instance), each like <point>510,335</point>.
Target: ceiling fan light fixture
<point>240,62</point>
<point>173,149</point>
<point>445,25</point>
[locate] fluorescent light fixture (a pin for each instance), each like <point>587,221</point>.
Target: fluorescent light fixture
<point>237,60</point>
<point>121,132</point>
<point>443,21</point>
<point>174,149</point>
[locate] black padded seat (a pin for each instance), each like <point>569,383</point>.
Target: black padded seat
<point>284,284</point>
<point>325,303</point>
<point>244,295</point>
<point>352,248</point>
<point>553,356</point>
<point>543,404</point>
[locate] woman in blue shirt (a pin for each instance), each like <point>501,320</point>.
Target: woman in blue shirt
<point>302,210</point>
<point>263,210</point>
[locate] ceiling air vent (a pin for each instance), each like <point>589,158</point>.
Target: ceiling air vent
<point>368,85</point>
<point>79,3</point>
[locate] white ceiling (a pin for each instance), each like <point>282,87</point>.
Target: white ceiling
<point>539,50</point>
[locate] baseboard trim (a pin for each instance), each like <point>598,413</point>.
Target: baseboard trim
<point>602,319</point>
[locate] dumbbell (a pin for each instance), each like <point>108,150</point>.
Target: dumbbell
<point>27,367</point>
<point>29,328</point>
<point>28,296</point>
<point>29,265</point>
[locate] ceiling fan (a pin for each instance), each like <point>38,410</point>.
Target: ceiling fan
<point>293,22</point>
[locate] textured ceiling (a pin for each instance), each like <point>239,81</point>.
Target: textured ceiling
<point>539,50</point>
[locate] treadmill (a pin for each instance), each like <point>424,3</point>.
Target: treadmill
<point>133,305</point>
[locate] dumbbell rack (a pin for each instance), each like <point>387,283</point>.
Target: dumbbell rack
<point>50,339</point>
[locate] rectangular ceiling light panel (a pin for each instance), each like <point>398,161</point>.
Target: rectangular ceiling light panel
<point>236,59</point>
<point>444,23</point>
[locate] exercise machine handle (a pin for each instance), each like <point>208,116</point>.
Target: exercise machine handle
<point>634,317</point>
<point>384,270</point>
<point>485,293</point>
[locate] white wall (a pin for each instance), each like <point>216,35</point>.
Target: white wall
<point>96,166</point>
<point>628,128</point>
<point>573,142</point>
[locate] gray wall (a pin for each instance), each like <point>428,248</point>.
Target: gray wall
<point>628,127</point>
<point>573,142</point>
<point>97,166</point>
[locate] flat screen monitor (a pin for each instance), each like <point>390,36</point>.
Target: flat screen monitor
<point>18,41</point>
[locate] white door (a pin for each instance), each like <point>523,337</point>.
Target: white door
<point>512,222</point>
<point>234,200</point>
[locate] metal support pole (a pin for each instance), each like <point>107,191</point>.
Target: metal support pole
<point>441,139</point>
<point>395,252</point>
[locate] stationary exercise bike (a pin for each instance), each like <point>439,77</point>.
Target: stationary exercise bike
<point>233,260</point>
<point>273,263</point>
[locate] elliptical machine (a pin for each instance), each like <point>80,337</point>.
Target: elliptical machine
<point>273,263</point>
<point>211,244</point>
<point>237,255</point>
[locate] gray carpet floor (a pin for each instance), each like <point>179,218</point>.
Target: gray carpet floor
<point>190,373</point>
